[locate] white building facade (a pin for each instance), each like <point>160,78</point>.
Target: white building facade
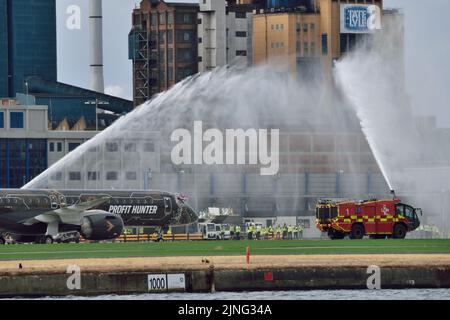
<point>224,35</point>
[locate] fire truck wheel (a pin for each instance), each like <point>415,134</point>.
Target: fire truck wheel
<point>357,232</point>
<point>338,235</point>
<point>399,231</point>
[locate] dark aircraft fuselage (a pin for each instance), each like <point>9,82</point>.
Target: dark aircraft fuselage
<point>136,208</point>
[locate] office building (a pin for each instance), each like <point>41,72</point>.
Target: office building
<point>162,45</point>
<point>28,67</point>
<point>308,35</point>
<point>27,146</point>
<point>28,44</point>
<point>224,34</point>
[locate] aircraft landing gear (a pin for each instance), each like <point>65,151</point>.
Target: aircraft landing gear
<point>48,240</point>
<point>44,240</point>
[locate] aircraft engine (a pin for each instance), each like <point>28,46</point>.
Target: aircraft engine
<point>101,225</point>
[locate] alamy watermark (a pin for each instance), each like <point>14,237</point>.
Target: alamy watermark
<point>74,280</point>
<point>73,21</point>
<point>227,148</point>
<point>374,280</point>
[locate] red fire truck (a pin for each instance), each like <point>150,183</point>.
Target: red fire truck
<point>376,218</point>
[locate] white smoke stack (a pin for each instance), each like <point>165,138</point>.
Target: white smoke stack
<point>96,45</point>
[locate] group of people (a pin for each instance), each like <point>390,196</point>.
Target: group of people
<point>258,232</point>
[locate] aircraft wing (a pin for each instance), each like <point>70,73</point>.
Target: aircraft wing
<point>69,215</point>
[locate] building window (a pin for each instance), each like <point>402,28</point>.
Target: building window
<point>73,146</point>
<point>112,147</point>
<point>93,175</point>
<point>200,59</point>
<point>273,27</point>
<point>183,73</point>
<point>131,175</point>
<point>170,17</point>
<point>162,57</point>
<point>185,36</point>
<point>299,46</point>
<point>313,48</point>
<point>324,44</point>
<point>16,120</point>
<point>185,55</point>
<point>51,147</point>
<point>241,53</point>
<point>312,26</point>
<point>241,15</point>
<point>154,19</point>
<point>281,26</point>
<point>75,176</point>
<point>343,43</point>
<point>130,147</point>
<point>305,223</point>
<point>299,27</point>
<point>277,26</point>
<point>200,40</point>
<point>305,27</point>
<point>2,120</point>
<point>185,18</point>
<point>149,147</point>
<point>241,34</point>
<point>59,147</point>
<point>112,176</point>
<point>170,55</point>
<point>162,18</point>
<point>56,177</point>
<point>199,21</point>
<point>161,37</point>
<point>169,36</point>
<point>162,77</point>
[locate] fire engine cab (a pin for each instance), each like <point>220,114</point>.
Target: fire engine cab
<point>376,218</point>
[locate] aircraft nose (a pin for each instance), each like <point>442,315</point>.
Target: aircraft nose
<point>189,215</point>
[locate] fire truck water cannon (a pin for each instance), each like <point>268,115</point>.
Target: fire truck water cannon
<point>377,219</point>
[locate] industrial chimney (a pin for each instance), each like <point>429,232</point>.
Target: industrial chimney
<point>96,41</point>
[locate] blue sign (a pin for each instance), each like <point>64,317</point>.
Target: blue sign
<point>357,18</point>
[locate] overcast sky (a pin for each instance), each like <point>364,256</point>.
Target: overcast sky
<point>427,50</point>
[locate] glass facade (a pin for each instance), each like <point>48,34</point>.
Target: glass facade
<point>21,160</point>
<point>70,108</point>
<point>27,43</point>
<point>3,49</point>
<point>16,121</point>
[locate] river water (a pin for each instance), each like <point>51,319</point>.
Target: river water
<point>404,294</point>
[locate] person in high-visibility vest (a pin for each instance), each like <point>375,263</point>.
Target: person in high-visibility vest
<point>300,232</point>
<point>285,230</point>
<point>238,232</point>
<point>169,232</point>
<point>290,231</point>
<point>271,231</point>
<point>258,232</point>
<point>250,232</point>
<point>295,232</point>
<point>278,232</point>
